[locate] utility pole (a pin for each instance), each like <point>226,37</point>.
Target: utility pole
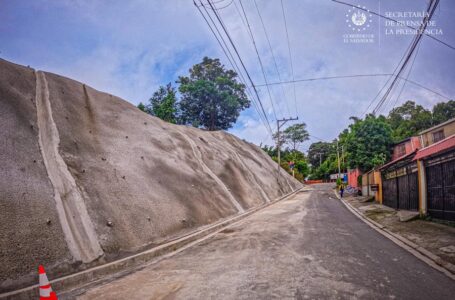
<point>320,158</point>
<point>338,155</point>
<point>280,123</point>
<point>342,156</point>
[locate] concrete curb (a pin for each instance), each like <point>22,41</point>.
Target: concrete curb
<point>133,262</point>
<point>426,256</point>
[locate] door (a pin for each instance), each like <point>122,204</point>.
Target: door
<point>390,192</point>
<point>401,192</point>
<point>441,190</point>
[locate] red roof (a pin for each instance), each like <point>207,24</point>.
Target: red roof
<point>441,146</point>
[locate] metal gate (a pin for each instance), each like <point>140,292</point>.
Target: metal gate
<point>441,190</point>
<point>400,189</point>
<point>390,192</point>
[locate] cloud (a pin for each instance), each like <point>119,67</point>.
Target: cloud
<point>129,48</point>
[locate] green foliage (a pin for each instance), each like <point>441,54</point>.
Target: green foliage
<point>339,182</point>
<point>301,167</point>
<point>270,150</point>
<point>295,135</point>
<point>212,97</point>
<point>162,104</point>
<point>142,107</point>
<point>443,111</point>
<point>368,142</point>
<point>328,166</point>
<point>408,120</point>
<point>359,180</point>
<point>319,152</point>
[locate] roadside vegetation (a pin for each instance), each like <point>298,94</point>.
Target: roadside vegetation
<point>290,140</point>
<point>366,143</point>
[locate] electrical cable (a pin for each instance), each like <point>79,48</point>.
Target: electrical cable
<point>259,59</point>
<point>273,56</point>
<point>290,56</point>
<point>235,66</point>
<point>243,65</point>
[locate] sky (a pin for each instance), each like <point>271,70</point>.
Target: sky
<point>130,48</point>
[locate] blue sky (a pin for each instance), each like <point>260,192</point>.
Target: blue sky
<point>129,48</point>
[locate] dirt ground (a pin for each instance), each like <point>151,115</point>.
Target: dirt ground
<point>435,237</point>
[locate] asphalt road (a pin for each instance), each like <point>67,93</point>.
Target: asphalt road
<point>307,247</point>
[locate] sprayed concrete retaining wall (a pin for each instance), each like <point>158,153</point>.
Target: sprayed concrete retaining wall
<point>87,178</point>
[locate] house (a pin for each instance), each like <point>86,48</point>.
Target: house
<point>437,133</point>
<point>399,176</point>
<point>421,175</point>
<point>436,165</point>
<point>405,147</point>
<point>386,188</point>
<point>400,183</point>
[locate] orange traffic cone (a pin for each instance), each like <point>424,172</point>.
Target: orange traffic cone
<point>45,290</point>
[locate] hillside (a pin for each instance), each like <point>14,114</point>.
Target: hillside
<point>86,177</point>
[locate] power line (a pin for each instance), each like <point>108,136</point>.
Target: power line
<point>428,89</point>
<point>273,56</point>
<point>290,55</point>
<point>235,66</point>
<point>356,76</point>
<point>430,11</point>
<point>405,81</point>
<point>387,82</point>
<point>259,58</point>
<point>217,2</point>
<point>393,20</point>
<point>243,65</point>
<point>324,78</point>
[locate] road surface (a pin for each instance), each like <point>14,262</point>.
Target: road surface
<point>307,247</point>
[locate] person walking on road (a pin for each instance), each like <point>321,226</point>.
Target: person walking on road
<point>341,190</point>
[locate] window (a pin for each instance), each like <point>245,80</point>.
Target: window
<point>438,136</point>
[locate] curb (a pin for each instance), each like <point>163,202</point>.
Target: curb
<point>133,262</point>
<point>426,256</point>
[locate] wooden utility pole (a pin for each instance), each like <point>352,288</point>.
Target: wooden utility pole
<point>280,123</point>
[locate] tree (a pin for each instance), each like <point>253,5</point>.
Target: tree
<point>368,142</point>
<point>212,97</point>
<point>443,111</point>
<point>162,104</point>
<point>142,107</point>
<point>295,135</point>
<point>408,120</point>
<point>300,164</point>
<point>302,167</point>
<point>319,152</point>
<point>270,150</point>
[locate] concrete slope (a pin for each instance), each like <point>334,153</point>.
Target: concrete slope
<point>87,178</point>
